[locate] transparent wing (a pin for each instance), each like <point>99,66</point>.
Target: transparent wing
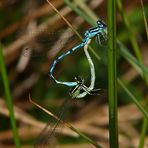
<point>47,135</point>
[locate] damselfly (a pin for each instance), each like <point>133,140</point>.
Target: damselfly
<point>75,93</point>
<point>100,31</point>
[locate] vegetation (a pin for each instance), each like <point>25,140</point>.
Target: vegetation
<point>34,33</point>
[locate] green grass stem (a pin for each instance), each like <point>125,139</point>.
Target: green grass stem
<point>85,8</point>
<point>145,121</point>
<point>8,98</point>
<point>139,57</point>
<point>123,50</point>
<point>86,16</point>
<point>130,31</point>
<point>145,113</point>
<point>144,18</point>
<point>131,37</point>
<point>112,76</point>
<point>143,132</point>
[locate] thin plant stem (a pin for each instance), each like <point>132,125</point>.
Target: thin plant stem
<point>145,120</point>
<point>132,59</point>
<point>145,113</point>
<point>131,34</point>
<point>66,124</point>
<point>131,37</point>
<point>82,5</point>
<point>139,57</point>
<point>74,30</point>
<point>87,15</point>
<point>144,18</point>
<point>8,98</point>
<point>143,132</point>
<point>112,76</point>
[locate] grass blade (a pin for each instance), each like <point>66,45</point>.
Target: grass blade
<point>86,9</point>
<point>80,12</point>
<point>130,31</point>
<point>95,54</point>
<point>143,132</point>
<point>112,78</point>
<point>133,99</point>
<point>8,98</point>
<point>145,120</point>
<point>144,17</point>
<point>131,37</point>
<point>131,59</point>
<point>66,124</point>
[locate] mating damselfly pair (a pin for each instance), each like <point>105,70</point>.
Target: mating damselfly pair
<point>79,89</point>
<point>99,31</point>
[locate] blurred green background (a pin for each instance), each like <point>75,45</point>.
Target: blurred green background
<point>33,35</point>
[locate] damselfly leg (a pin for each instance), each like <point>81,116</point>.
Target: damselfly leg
<point>77,90</point>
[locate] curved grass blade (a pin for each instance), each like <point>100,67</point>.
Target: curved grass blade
<point>131,59</point>
<point>144,18</point>
<point>141,108</point>
<point>145,120</point>
<point>66,124</point>
<point>80,12</point>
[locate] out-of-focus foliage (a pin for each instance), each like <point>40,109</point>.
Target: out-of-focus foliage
<point>31,33</point>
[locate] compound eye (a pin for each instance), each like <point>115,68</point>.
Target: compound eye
<point>103,25</point>
<point>99,22</point>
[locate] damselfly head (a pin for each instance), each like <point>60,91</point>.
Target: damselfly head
<point>78,88</point>
<point>79,79</point>
<point>102,37</point>
<point>101,24</point>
